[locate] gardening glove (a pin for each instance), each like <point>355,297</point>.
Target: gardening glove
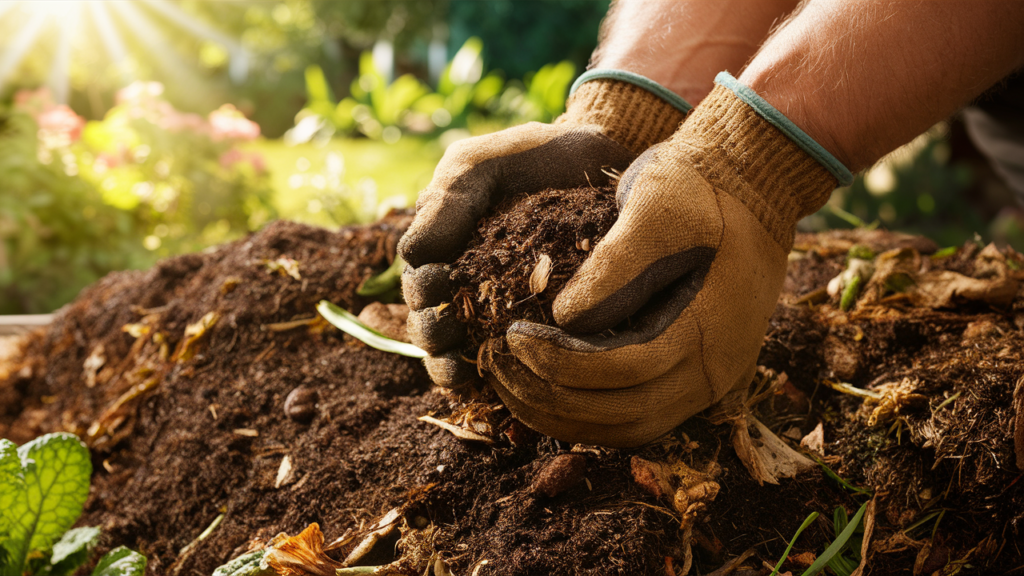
<point>611,117</point>
<point>669,312</point>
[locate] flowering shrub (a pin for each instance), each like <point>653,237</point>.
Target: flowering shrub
<point>83,198</point>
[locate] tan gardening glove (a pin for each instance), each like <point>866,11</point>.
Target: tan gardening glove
<point>668,313</point>
<point>611,117</point>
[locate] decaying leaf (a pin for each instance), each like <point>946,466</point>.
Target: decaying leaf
<point>869,530</point>
<point>767,457</point>
<point>815,440</point>
<point>92,365</point>
<point>1018,422</point>
<point>301,555</point>
<point>688,490</point>
<point>193,334</point>
<point>458,431</point>
<point>894,397</point>
<point>540,275</point>
<point>382,528</point>
<point>284,266</point>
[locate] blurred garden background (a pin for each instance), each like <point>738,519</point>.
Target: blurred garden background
<point>135,130</point>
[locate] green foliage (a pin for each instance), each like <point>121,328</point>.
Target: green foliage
<point>465,98</point>
<point>245,565</point>
<point>43,486</point>
<point>82,199</point>
<point>121,562</point>
<point>47,498</point>
<point>385,286</point>
<point>803,526</point>
<point>72,550</point>
<point>348,323</point>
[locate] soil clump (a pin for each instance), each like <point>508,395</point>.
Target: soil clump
<point>524,253</point>
<point>195,381</point>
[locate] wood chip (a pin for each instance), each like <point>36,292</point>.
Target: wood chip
<point>456,430</point>
<point>245,432</point>
<point>285,473</point>
<point>540,275</point>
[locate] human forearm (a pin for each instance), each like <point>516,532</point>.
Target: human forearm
<point>861,78</point>
<point>683,44</point>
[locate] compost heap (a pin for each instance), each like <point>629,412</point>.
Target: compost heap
<point>208,386</point>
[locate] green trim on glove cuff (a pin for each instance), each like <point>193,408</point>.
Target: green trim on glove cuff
<point>787,127</point>
<point>675,100</point>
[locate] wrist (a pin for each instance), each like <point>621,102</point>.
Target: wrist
<point>633,110</point>
<point>749,149</point>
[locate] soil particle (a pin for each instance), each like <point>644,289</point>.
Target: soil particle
<point>300,405</point>
<point>561,473</point>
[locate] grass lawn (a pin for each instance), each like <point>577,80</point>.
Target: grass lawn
<point>346,180</point>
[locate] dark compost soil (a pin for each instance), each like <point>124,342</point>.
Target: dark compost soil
<point>183,431</point>
<point>493,275</point>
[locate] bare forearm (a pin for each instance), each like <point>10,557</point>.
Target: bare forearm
<point>682,44</point>
<point>862,78</point>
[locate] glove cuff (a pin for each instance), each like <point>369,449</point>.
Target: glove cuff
<point>633,110</point>
<point>750,149</point>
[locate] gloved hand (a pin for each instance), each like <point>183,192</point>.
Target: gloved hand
<point>688,277</point>
<point>610,117</point>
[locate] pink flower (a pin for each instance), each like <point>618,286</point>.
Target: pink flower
<point>234,155</point>
<point>139,91</point>
<point>227,123</point>
<point>60,124</point>
<point>34,102</point>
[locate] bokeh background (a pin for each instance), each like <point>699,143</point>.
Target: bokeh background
<point>135,130</point>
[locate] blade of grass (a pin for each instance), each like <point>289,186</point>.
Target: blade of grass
<point>828,472</point>
<point>807,522</point>
<point>387,281</point>
<point>349,324</point>
<point>836,547</point>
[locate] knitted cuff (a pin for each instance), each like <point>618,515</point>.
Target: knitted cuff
<point>761,164</point>
<point>624,110</point>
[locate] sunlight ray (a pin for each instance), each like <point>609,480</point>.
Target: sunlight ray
<point>239,55</point>
<point>21,43</point>
<point>155,41</point>
<point>111,38</point>
<point>59,79</point>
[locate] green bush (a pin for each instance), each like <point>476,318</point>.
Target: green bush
<point>81,199</point>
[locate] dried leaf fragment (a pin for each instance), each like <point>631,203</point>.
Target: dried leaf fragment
<point>456,430</point>
<point>540,275</point>
<point>1018,423</point>
<point>302,555</point>
<point>92,365</point>
<point>284,266</point>
<point>194,333</point>
<point>285,473</point>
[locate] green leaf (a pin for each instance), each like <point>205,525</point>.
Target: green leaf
<point>349,324</point>
<point>245,565</point>
<point>807,522</point>
<point>121,562</point>
<point>384,282</point>
<point>72,550</point>
<point>836,547</point>
<point>12,481</point>
<point>57,471</point>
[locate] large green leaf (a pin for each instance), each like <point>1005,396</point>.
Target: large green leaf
<point>121,562</point>
<point>12,479</point>
<point>56,471</point>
